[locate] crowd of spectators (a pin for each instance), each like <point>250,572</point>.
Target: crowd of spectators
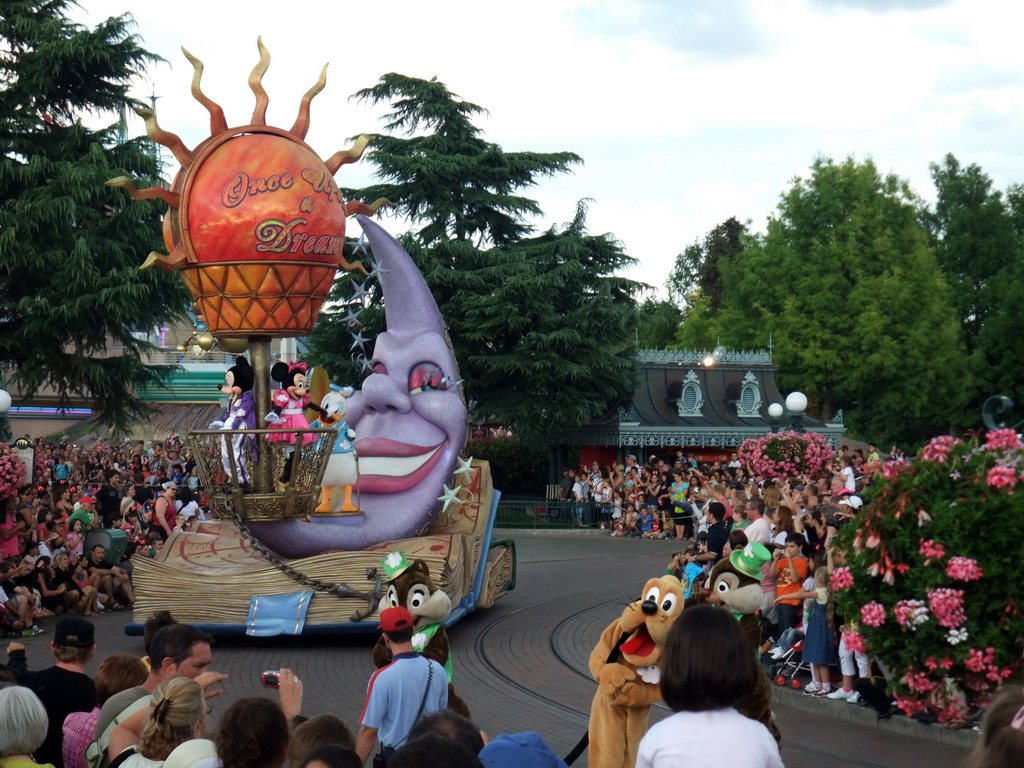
<point>145,713</point>
<point>139,493</point>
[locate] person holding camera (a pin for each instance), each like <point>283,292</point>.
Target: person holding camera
<point>400,693</point>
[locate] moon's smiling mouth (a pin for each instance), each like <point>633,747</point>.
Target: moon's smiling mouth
<point>388,466</point>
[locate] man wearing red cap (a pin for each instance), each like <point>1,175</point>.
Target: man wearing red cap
<point>400,693</point>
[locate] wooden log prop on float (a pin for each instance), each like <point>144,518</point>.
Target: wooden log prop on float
<point>256,226</point>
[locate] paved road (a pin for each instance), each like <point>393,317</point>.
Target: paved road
<point>521,665</point>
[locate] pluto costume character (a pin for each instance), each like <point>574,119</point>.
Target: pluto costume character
<point>735,584</point>
<point>410,586</point>
<point>628,686</point>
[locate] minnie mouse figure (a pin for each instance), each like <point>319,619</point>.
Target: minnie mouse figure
<point>290,401</point>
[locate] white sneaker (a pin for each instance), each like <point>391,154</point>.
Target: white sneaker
<point>778,652</point>
<point>841,694</point>
<point>812,687</point>
<point>855,699</point>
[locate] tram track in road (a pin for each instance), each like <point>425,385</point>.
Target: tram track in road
<point>481,647</point>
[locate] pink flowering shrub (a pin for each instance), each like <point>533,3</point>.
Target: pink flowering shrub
<point>785,454</point>
<point>12,472</point>
<point>927,574</point>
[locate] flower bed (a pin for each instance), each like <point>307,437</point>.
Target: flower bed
<point>785,454</point>
<point>931,576</point>
<point>12,471</point>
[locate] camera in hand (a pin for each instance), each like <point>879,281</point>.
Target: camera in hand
<point>270,679</point>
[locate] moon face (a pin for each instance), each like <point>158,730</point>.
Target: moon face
<point>410,423</point>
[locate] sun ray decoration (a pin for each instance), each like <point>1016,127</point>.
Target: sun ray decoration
<point>256,222</point>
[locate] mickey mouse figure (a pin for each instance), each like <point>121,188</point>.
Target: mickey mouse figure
<point>290,401</point>
<point>241,414</point>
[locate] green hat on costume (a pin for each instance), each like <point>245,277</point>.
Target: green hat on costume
<point>395,565</point>
<point>749,560</point>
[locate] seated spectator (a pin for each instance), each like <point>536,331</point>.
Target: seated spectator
<point>118,672</point>
<point>177,713</point>
<point>253,733</point>
<point>452,726</point>
<point>435,751</point>
<point>23,726</point>
<point>316,732</point>
<point>519,749</point>
<point>331,756</point>
<point>109,579</point>
<point>707,668</point>
<point>194,753</point>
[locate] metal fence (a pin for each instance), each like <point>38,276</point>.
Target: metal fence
<point>545,513</point>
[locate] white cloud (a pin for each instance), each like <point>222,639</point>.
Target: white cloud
<point>686,112</point>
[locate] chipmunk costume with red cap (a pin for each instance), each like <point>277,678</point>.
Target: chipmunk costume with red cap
<point>628,686</point>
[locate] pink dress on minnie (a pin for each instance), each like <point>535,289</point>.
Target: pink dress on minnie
<point>291,418</point>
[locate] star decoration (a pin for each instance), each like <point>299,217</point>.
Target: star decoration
<point>377,270</point>
<point>360,291</point>
<point>358,340</point>
<point>352,316</point>
<point>360,246</point>
<point>450,495</point>
<point>364,365</point>
<point>464,466</point>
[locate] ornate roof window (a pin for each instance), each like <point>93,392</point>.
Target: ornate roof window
<point>691,399</point>
<point>749,404</point>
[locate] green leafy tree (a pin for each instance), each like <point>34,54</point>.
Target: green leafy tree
<point>697,273</point>
<point>542,327</point>
<point>657,324</point>
<point>977,240</point>
<point>973,236</point>
<point>70,247</point>
<point>858,310</point>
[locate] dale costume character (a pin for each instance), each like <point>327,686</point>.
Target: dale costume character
<point>628,680</point>
<point>410,586</point>
<point>735,584</point>
<point>240,414</point>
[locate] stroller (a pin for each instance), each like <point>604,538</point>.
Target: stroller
<point>790,663</point>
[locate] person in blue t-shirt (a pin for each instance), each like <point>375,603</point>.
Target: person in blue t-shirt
<point>685,568</point>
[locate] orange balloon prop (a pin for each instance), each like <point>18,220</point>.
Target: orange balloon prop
<point>256,221</point>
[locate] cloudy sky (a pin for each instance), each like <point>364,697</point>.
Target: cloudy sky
<point>685,112</point>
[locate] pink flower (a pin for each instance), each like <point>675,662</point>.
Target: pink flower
<point>854,641</point>
<point>873,614</point>
<point>938,449</point>
<point>841,578</point>
<point>873,540</point>
<point>910,614</point>
<point>963,569</point>
<point>977,661</point>
<point>918,681</point>
<point>1002,477</point>
<point>948,607</point>
<point>891,469</point>
<point>1001,439</point>
<point>930,550</point>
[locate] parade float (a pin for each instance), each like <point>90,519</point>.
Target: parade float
<point>304,512</point>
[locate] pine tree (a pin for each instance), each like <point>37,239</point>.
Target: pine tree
<point>70,247</point>
<point>541,326</point>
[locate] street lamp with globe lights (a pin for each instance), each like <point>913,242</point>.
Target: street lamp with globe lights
<point>775,411</point>
<point>796,404</point>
